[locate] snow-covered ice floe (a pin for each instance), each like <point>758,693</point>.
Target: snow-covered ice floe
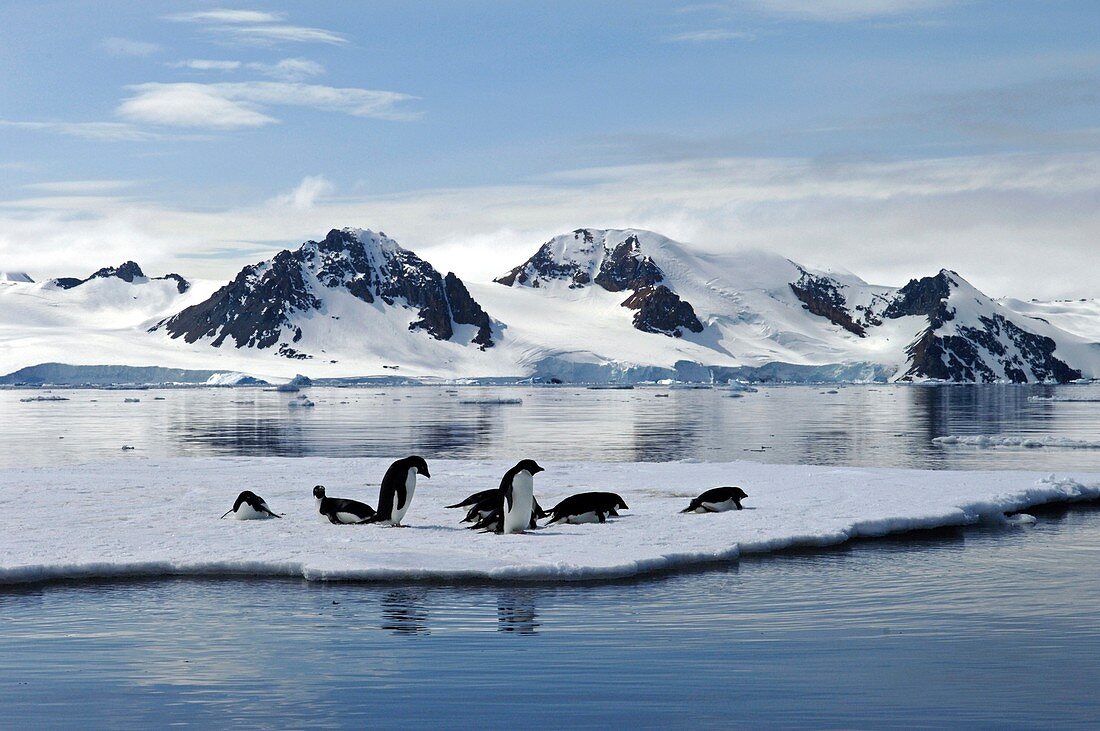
<point>1066,398</point>
<point>492,401</point>
<point>988,441</point>
<point>161,517</point>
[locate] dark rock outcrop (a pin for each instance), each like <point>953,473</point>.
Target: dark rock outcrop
<point>617,267</point>
<point>255,309</point>
<point>660,310</point>
<point>821,296</point>
<point>128,272</point>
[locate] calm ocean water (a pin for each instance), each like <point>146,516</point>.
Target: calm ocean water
<point>977,627</point>
<point>885,426</point>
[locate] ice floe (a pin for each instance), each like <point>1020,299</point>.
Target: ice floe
<point>145,517</point>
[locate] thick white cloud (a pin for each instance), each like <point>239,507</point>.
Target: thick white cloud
<point>190,105</point>
<point>1021,225</point>
<point>236,105</point>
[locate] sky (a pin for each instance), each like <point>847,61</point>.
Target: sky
<point>889,138</point>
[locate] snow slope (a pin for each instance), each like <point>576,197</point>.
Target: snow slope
<point>160,517</point>
<point>561,315</point>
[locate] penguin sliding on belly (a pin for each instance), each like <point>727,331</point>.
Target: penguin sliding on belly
<point>340,511</point>
<point>398,485</point>
<point>587,507</point>
<point>250,506</point>
<point>717,500</point>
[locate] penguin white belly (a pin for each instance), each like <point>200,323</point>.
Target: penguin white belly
<point>589,517</point>
<point>246,512</point>
<point>518,518</point>
<point>720,507</point>
<point>347,517</point>
<point>410,488</point>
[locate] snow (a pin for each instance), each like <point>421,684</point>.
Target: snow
<point>145,518</point>
<point>231,379</point>
<point>986,441</point>
<point>752,320</point>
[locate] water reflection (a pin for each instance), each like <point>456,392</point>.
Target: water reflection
<point>856,425</point>
<point>516,613</point>
<point>405,612</point>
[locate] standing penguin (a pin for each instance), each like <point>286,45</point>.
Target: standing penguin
<point>398,485</point>
<point>250,506</point>
<point>517,489</point>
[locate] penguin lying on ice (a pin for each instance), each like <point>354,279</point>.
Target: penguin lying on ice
<point>340,511</point>
<point>717,500</point>
<point>250,506</point>
<point>587,507</point>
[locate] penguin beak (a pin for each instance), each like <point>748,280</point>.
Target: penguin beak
<point>537,470</point>
<point>425,473</point>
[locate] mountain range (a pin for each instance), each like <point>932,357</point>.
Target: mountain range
<point>588,306</point>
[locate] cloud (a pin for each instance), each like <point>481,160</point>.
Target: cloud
<point>836,11</point>
<point>81,187</point>
<point>289,69</point>
<point>128,47</point>
<point>1020,225</point>
<point>201,64</point>
<point>237,105</point>
<point>711,36</point>
<point>97,131</point>
<point>223,15</point>
<point>190,105</point>
<point>306,195</point>
<point>257,27</point>
<point>272,34</point>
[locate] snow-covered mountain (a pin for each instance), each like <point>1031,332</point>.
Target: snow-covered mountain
<point>590,305</point>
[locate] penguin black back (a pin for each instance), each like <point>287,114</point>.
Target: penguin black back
<point>393,495</point>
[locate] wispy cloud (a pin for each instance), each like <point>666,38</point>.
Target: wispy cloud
<point>237,105</point>
<point>993,218</point>
<point>832,11</point>
<point>306,195</point>
<point>711,35</point>
<point>98,131</point>
<point>257,27</point>
<point>81,187</point>
<point>128,47</point>
<point>289,69</point>
<point>226,15</point>
<point>202,64</point>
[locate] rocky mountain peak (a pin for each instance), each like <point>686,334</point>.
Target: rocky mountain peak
<point>260,307</point>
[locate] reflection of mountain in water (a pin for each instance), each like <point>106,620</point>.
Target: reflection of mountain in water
<point>516,613</point>
<point>404,613</point>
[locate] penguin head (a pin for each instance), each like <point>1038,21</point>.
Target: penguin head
<point>419,464</point>
<point>529,465</point>
<point>739,493</point>
<point>622,505</point>
<point>319,492</point>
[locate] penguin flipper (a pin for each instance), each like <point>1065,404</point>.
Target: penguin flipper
<point>227,512</point>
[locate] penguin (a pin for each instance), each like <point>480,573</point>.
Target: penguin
<point>250,506</point>
<point>398,485</point>
<point>340,511</point>
<point>517,490</point>
<point>474,499</point>
<point>486,514</point>
<point>587,507</point>
<point>717,500</point>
